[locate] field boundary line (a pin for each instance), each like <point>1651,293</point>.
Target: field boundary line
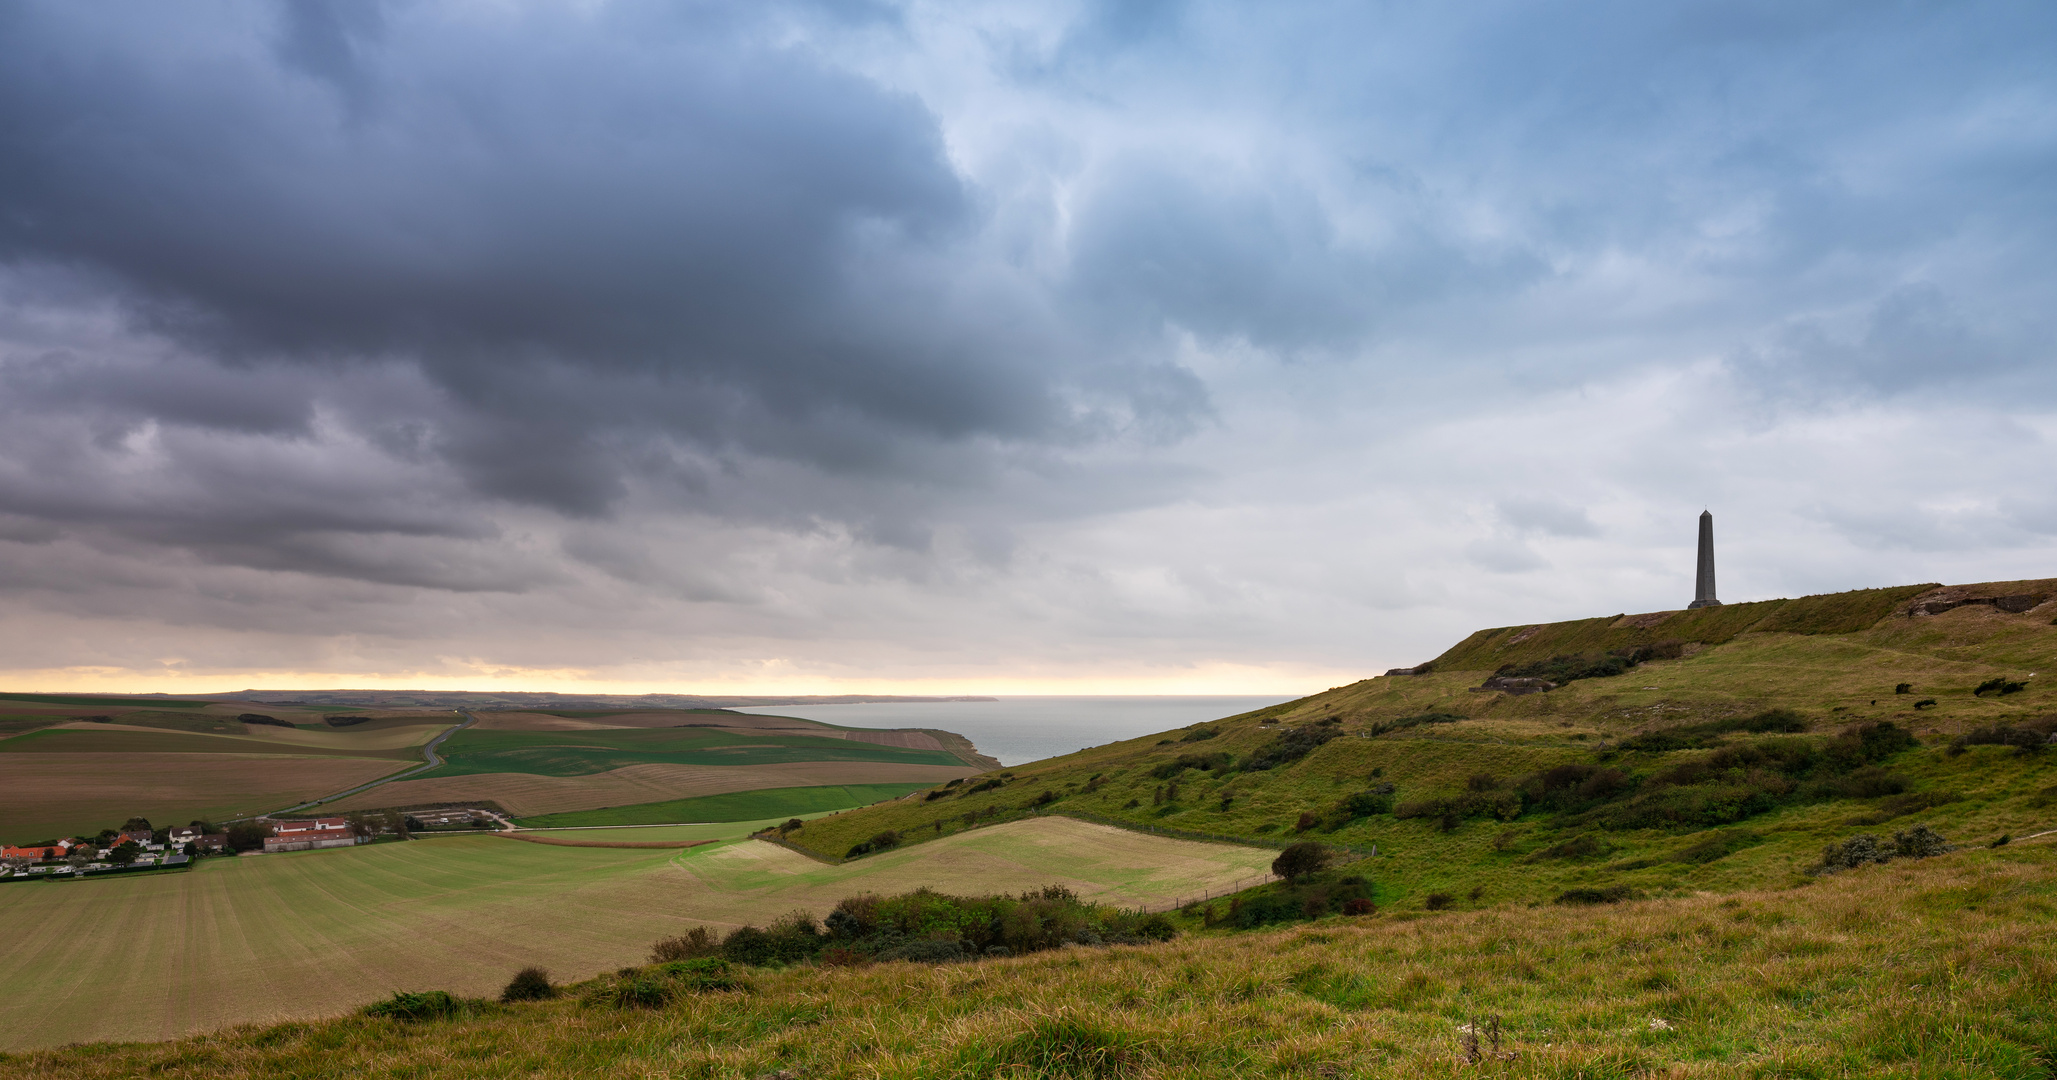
<point>1189,834</point>
<point>431,761</point>
<point>558,842</point>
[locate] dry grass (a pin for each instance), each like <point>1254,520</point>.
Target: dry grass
<point>1942,968</point>
<point>308,934</point>
<point>526,794</point>
<point>47,795</point>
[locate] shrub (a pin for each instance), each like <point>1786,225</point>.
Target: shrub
<point>1919,842</point>
<point>699,941</point>
<point>529,984</point>
<point>1854,852</point>
<point>1439,901</point>
<point>934,951</point>
<point>1904,688</point>
<point>247,836</point>
<point>2024,739</point>
<point>1045,799</point>
<point>1200,734</point>
<point>1579,847</point>
<point>1925,703</point>
<point>1613,894</point>
<point>884,841</point>
<point>1361,905</point>
<point>637,991</point>
<point>702,974</point>
<point>425,1005</point>
<point>2003,686</point>
<point>1216,761</point>
<point>1306,822</point>
<point>1301,859</point>
<point>1289,746</point>
<point>1366,803</point>
<point>1382,727</point>
<point>260,718</point>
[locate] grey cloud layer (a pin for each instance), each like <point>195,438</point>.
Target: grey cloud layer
<point>842,328</point>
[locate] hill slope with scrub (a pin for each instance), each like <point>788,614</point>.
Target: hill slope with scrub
<point>1718,749</point>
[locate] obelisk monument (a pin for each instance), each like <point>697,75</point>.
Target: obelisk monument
<point>1703,584</point>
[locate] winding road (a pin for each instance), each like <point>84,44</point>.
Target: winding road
<point>429,761</point>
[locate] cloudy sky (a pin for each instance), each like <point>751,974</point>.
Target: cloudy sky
<point>1008,347</point>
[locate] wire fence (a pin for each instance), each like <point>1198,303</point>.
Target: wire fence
<point>1217,891</point>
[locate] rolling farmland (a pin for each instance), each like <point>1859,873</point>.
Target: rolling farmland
<point>81,776</point>
<point>314,933</point>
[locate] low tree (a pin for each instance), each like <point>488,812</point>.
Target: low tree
<point>125,853</point>
<point>137,824</point>
<point>1302,859</point>
<point>248,835</point>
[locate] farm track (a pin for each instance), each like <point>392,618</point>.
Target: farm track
<point>429,761</point>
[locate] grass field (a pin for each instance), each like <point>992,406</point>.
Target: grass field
<point>48,795</point>
<point>774,803</point>
<point>313,933</point>
<point>719,830</point>
<point>584,753</point>
<point>526,794</point>
<point>1941,968</point>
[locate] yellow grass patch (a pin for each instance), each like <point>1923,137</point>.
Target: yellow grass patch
<point>524,794</point>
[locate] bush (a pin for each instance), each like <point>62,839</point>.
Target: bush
<point>1218,761</point>
<point>699,941</point>
<point>248,836</point>
<point>1578,847</point>
<point>1361,905</point>
<point>932,951</point>
<point>1854,852</point>
<point>2025,739</point>
<point>1367,803</point>
<point>1289,746</point>
<point>1925,703</point>
<point>884,841</point>
<point>529,984</point>
<point>1302,859</point>
<point>1200,734</point>
<point>1919,842</point>
<point>260,718</point>
<point>426,1005</point>
<point>1439,901</point>
<point>1613,894</point>
<point>1904,688</point>
<point>1382,727</point>
<point>702,974</point>
<point>2003,686</point>
<point>636,991</point>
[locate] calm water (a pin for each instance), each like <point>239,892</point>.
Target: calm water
<point>1019,729</point>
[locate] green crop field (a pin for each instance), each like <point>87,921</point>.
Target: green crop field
<point>772,803</point>
<point>87,702</point>
<point>582,753</point>
<point>314,933</point>
<point>717,830</point>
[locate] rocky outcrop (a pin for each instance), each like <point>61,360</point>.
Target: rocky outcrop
<point>2012,604</point>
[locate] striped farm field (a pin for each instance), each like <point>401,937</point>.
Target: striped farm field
<point>309,934</point>
<point>48,795</point>
<point>529,794</point>
<point>774,803</point>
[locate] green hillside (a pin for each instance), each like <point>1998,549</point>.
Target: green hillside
<point>583,753</point>
<point>1649,782</point>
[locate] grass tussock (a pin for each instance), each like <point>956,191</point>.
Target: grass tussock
<point>1938,967</point>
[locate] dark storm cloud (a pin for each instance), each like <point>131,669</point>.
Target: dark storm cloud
<point>1144,320</point>
<point>575,224</point>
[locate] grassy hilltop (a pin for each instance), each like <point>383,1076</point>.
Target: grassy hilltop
<point>1617,877</point>
<point>1646,782</point>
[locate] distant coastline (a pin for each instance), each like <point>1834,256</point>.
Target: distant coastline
<point>474,699</point>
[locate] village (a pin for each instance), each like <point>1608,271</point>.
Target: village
<point>137,846</point>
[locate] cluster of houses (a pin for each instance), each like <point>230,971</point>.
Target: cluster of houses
<point>140,849</point>
<point>36,860</point>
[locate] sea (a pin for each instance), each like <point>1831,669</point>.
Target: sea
<point>1023,729</point>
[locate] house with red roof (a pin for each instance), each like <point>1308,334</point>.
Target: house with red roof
<point>308,833</point>
<point>39,853</point>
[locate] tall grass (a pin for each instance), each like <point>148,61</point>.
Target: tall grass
<point>1944,967</point>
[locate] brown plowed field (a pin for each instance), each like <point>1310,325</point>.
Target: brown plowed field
<point>43,796</point>
<point>524,795</point>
